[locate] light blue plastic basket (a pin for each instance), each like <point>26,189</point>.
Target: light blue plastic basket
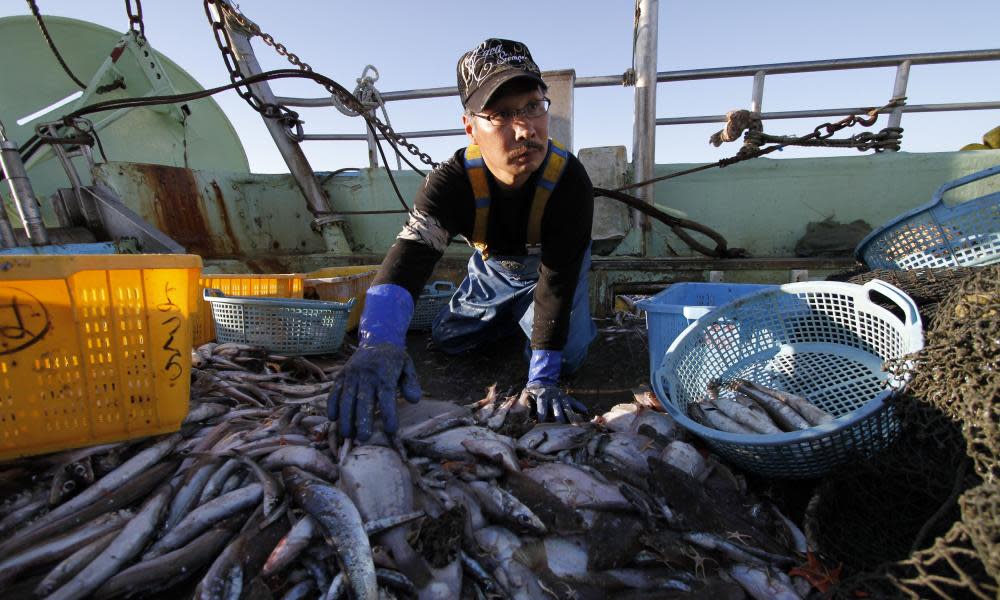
<point>824,340</point>
<point>939,234</point>
<point>672,310</point>
<point>281,325</point>
<point>434,297</point>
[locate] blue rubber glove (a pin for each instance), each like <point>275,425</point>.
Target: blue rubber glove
<point>378,368</point>
<point>549,399</point>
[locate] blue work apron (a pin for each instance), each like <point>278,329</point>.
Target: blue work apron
<point>497,297</point>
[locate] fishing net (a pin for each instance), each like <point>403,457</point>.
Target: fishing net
<point>921,520</point>
<point>927,287</point>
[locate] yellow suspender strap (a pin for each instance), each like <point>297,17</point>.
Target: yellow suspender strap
<point>552,170</point>
<point>476,170</point>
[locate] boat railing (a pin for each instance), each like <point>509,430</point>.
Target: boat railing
<point>902,63</point>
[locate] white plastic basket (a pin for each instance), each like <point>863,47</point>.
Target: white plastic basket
<point>282,325</point>
<point>939,234</point>
<point>434,297</point>
<point>824,340</point>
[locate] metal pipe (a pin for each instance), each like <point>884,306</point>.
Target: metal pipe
<point>838,64</point>
<point>87,208</point>
<point>22,195</point>
<point>757,95</point>
<point>290,151</point>
<point>644,119</point>
<point>869,62</point>
<point>360,137</point>
<point>832,112</point>
<point>372,147</point>
<point>899,91</point>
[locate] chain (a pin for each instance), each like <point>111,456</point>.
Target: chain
<point>52,44</point>
<point>822,132</point>
<point>887,139</point>
<point>339,95</point>
<point>135,23</point>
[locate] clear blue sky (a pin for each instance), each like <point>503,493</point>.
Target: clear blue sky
<point>416,44</point>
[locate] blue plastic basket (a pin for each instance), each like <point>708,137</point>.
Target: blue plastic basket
<point>938,234</point>
<point>672,310</point>
<point>281,325</point>
<point>824,340</point>
<point>434,297</point>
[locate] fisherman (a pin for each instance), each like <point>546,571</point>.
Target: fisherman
<point>526,205</point>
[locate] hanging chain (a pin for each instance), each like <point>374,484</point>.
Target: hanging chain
<point>135,23</point>
<point>218,27</point>
<point>752,150</point>
<point>52,44</point>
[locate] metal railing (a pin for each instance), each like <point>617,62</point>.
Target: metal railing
<point>902,62</point>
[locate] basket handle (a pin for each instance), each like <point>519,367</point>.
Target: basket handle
<point>912,322</point>
<point>442,286</point>
<point>938,195</point>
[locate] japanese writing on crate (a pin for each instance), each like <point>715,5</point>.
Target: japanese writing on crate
<point>171,319</point>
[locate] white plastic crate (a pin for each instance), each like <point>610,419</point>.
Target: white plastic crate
<point>824,340</point>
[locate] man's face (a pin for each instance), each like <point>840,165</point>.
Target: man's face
<point>516,149</point>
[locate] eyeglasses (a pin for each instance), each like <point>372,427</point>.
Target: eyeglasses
<point>531,110</point>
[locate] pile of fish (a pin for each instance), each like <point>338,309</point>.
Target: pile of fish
<point>257,497</point>
<point>745,407</point>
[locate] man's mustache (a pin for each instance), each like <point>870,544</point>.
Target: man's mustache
<point>525,146</point>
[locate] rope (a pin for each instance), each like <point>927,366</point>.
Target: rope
<point>52,44</point>
<point>678,225</point>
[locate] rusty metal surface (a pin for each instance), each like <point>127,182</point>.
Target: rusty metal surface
<point>179,210</point>
<point>218,215</point>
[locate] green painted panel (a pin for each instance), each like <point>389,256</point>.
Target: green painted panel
<point>764,205</point>
<point>32,79</point>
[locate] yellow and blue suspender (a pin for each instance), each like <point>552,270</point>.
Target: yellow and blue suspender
<point>553,167</point>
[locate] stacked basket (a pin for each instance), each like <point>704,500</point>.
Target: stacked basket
<point>939,234</point>
<point>434,297</point>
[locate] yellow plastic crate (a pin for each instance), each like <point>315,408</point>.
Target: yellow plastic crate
<point>266,286</point>
<point>93,348</point>
<point>340,284</point>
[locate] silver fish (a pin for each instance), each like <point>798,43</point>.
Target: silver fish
<point>380,485</point>
<point>170,568</point>
<point>809,411</point>
<point>303,457</point>
<point>549,438</point>
<point>577,488</point>
<point>204,516</point>
<point>107,485</point>
<point>291,546</point>
<point>450,445</point>
<point>743,413</point>
<point>783,415</point>
<point>503,506</point>
<point>72,564</point>
<point>630,451</point>
<point>126,546</point>
<point>685,457</point>
<point>60,547</point>
<point>706,413</point>
<point>761,583</point>
<point>340,519</point>
<point>517,579</point>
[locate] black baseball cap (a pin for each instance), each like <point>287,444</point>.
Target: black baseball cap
<point>482,70</point>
